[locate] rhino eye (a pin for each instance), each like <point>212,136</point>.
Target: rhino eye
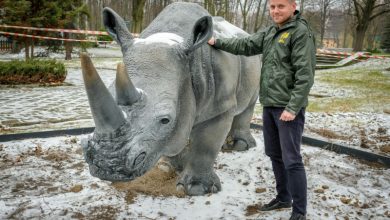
<point>164,121</point>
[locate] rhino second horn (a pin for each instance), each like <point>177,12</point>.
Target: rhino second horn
<point>106,113</point>
<point>126,93</point>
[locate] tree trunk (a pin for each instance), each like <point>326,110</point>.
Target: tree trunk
<point>257,16</point>
<point>68,48</point>
<point>226,8</point>
<point>210,6</point>
<point>385,41</point>
<point>26,48</point>
<point>323,22</point>
<point>359,37</point>
<point>15,46</point>
<point>301,6</point>
<point>32,48</point>
<point>138,15</point>
<point>345,37</point>
<point>263,14</point>
<point>347,20</point>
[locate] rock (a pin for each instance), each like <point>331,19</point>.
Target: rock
<point>385,149</point>
<point>261,190</point>
<point>345,200</point>
<point>252,209</point>
<point>76,188</point>
<point>319,190</point>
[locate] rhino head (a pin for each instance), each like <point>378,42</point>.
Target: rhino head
<point>148,112</point>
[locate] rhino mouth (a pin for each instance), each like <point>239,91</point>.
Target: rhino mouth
<point>109,175</point>
<point>115,170</point>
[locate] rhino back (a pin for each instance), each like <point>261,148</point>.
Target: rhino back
<point>177,18</point>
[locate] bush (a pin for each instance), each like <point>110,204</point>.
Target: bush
<point>32,71</point>
<point>374,50</point>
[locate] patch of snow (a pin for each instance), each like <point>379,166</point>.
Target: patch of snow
<point>49,179</point>
<point>165,38</point>
<point>224,29</point>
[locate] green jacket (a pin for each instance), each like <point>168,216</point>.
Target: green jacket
<point>289,59</point>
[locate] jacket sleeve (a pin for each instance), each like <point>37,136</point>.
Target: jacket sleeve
<point>303,59</point>
<point>248,46</point>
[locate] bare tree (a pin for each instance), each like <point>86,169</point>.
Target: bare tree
<point>365,12</point>
<point>258,8</point>
<point>245,7</point>
<point>263,13</point>
<point>347,20</point>
<point>138,15</point>
<point>325,9</point>
<point>301,6</point>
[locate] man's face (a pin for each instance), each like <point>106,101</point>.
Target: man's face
<point>281,10</point>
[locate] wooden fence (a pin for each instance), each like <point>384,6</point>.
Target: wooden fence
<point>5,44</point>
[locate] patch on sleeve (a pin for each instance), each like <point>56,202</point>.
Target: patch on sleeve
<point>283,37</point>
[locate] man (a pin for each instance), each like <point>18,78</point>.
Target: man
<point>287,74</point>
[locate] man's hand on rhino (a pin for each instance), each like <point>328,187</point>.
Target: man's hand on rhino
<point>211,41</point>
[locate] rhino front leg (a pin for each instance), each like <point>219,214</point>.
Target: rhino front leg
<point>198,176</point>
<point>241,137</point>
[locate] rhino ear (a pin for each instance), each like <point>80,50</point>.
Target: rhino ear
<point>116,27</point>
<point>201,33</point>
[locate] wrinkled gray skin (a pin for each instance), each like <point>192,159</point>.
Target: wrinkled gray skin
<point>178,100</point>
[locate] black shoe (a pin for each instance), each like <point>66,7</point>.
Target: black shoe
<point>275,204</point>
<point>297,216</point>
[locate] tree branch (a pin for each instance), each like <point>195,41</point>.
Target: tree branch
<point>380,5</point>
<point>379,13</point>
<point>358,7</point>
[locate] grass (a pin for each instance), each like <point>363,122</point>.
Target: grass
<point>370,91</point>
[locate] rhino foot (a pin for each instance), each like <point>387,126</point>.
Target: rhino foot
<point>241,142</point>
<point>238,145</point>
<point>199,185</point>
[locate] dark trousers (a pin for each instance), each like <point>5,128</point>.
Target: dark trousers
<point>282,142</point>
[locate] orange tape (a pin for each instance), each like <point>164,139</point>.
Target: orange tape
<point>350,54</point>
<point>56,30</point>
<point>48,38</point>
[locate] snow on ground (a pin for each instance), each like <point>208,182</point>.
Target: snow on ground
<point>48,179</point>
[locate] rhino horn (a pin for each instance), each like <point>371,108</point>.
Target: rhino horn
<point>126,93</point>
<point>106,113</point>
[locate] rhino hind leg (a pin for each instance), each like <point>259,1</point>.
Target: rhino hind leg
<point>240,137</point>
<point>198,176</point>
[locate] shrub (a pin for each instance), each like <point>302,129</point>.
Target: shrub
<point>32,71</point>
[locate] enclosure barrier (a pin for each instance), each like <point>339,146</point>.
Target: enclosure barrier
<point>50,38</point>
<point>88,32</point>
<point>345,54</point>
<point>340,149</point>
<point>55,30</point>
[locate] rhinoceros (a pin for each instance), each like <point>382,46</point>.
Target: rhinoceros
<point>174,96</point>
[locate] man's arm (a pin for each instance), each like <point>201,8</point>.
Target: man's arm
<point>248,46</point>
<point>303,58</point>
